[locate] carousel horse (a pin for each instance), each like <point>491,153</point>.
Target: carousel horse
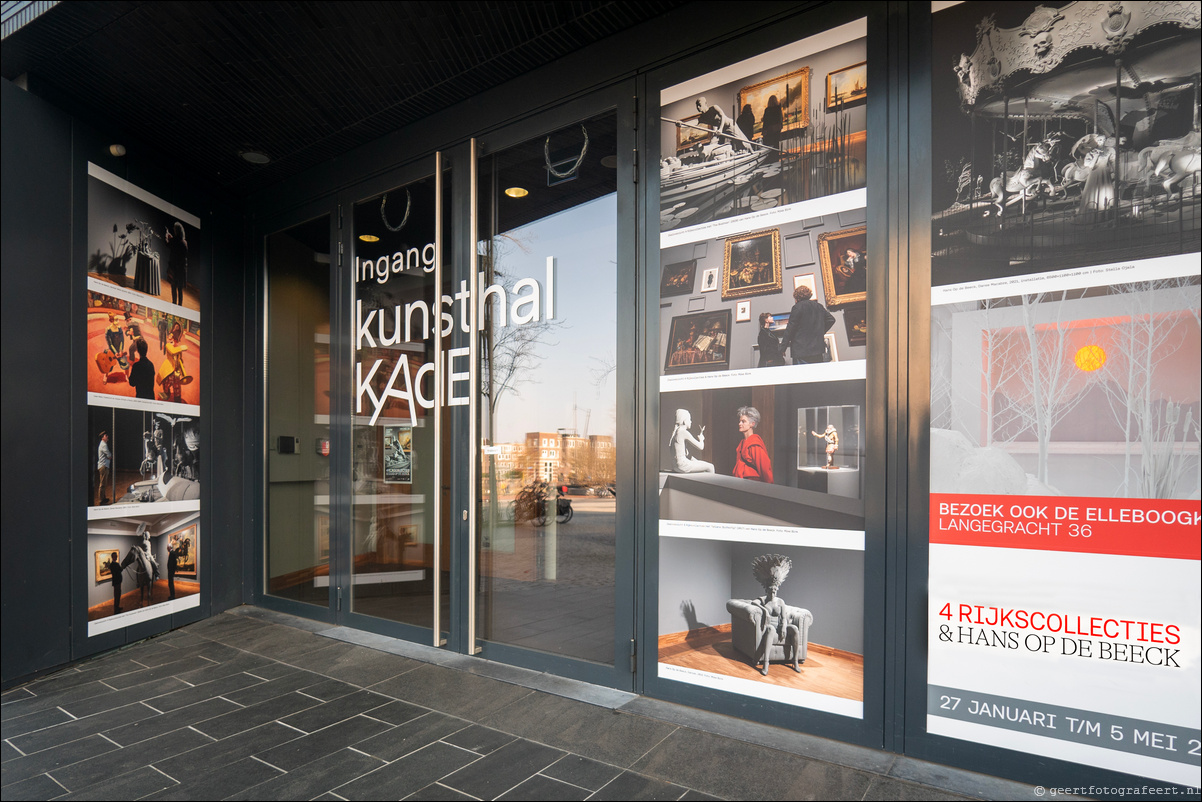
<point>1030,181</point>
<point>1173,160</point>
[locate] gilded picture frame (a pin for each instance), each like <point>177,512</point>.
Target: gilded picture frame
<point>847,86</point>
<point>751,264</point>
<point>844,259</point>
<point>186,564</point>
<point>698,342</point>
<point>792,91</point>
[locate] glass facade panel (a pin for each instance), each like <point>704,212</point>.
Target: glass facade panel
<point>547,399</point>
<point>297,553</point>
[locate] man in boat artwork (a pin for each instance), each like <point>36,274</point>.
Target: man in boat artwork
<point>727,138</point>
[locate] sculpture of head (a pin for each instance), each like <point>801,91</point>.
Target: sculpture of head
<point>683,418</point>
<point>770,570</point>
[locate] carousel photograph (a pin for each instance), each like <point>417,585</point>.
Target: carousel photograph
<point>1067,135</point>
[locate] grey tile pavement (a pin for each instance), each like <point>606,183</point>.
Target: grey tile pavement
<point>253,704</point>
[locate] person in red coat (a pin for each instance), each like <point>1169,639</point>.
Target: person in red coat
<point>751,457</point>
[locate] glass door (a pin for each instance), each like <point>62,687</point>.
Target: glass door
<point>297,420</point>
<point>550,543</point>
<point>399,555</point>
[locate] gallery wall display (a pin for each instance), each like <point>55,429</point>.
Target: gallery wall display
<point>814,245</point>
<point>1064,587</point>
<point>143,343</point>
<point>761,503</point>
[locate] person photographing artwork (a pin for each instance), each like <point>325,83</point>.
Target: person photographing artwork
<point>831,436</point>
<point>751,456</point>
<point>771,354</point>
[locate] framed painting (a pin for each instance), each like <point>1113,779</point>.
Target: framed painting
<point>692,135</point>
<point>832,350</point>
<point>188,546</point>
<point>101,558</point>
<point>677,279</point>
<point>743,312</point>
<point>855,323</point>
<point>752,265</point>
<point>698,342</point>
<point>806,280</point>
<point>847,86</point>
<point>844,258</point>
<point>709,279</point>
<point>792,93</point>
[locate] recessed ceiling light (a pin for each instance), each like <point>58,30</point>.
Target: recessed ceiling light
<point>610,161</point>
<point>517,192</point>
<point>117,150</point>
<point>255,157</point>
<point>369,238</point>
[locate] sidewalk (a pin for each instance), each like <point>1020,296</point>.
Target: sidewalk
<point>252,704</point>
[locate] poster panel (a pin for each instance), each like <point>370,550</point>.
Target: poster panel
<point>762,387</point>
<point>1064,553</point>
<point>142,566</point>
<point>142,340</point>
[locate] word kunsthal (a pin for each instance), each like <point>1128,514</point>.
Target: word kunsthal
<point>526,302</point>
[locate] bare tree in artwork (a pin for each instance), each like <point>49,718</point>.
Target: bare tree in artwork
<point>1052,385</point>
<point>1144,340</point>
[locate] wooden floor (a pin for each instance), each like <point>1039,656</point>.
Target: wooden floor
<point>827,671</point>
<point>130,598</point>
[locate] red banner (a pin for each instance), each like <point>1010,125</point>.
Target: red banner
<point>1130,526</point>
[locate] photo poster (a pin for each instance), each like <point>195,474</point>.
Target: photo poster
<point>761,534</point>
<point>398,454</point>
<point>1064,606</point>
<point>142,339</point>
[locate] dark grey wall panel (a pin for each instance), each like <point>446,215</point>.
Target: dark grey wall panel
<point>38,388</point>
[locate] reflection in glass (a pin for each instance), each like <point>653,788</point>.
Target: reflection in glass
<point>298,412</point>
<point>547,403</point>
<point>395,313</point>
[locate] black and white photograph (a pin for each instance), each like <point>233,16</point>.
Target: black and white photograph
<point>140,242</point>
<point>736,455</point>
<point>747,138</point>
<point>143,566</point>
<point>1065,134</point>
<point>141,457</point>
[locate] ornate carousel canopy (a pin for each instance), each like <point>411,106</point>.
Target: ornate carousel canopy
<point>1106,43</point>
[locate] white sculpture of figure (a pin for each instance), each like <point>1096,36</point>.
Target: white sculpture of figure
<point>681,438</point>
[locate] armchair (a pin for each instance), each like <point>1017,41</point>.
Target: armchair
<point>748,631</point>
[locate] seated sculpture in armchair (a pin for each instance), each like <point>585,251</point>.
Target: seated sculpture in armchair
<point>767,629</point>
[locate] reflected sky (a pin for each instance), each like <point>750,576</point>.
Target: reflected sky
<point>575,351</point>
